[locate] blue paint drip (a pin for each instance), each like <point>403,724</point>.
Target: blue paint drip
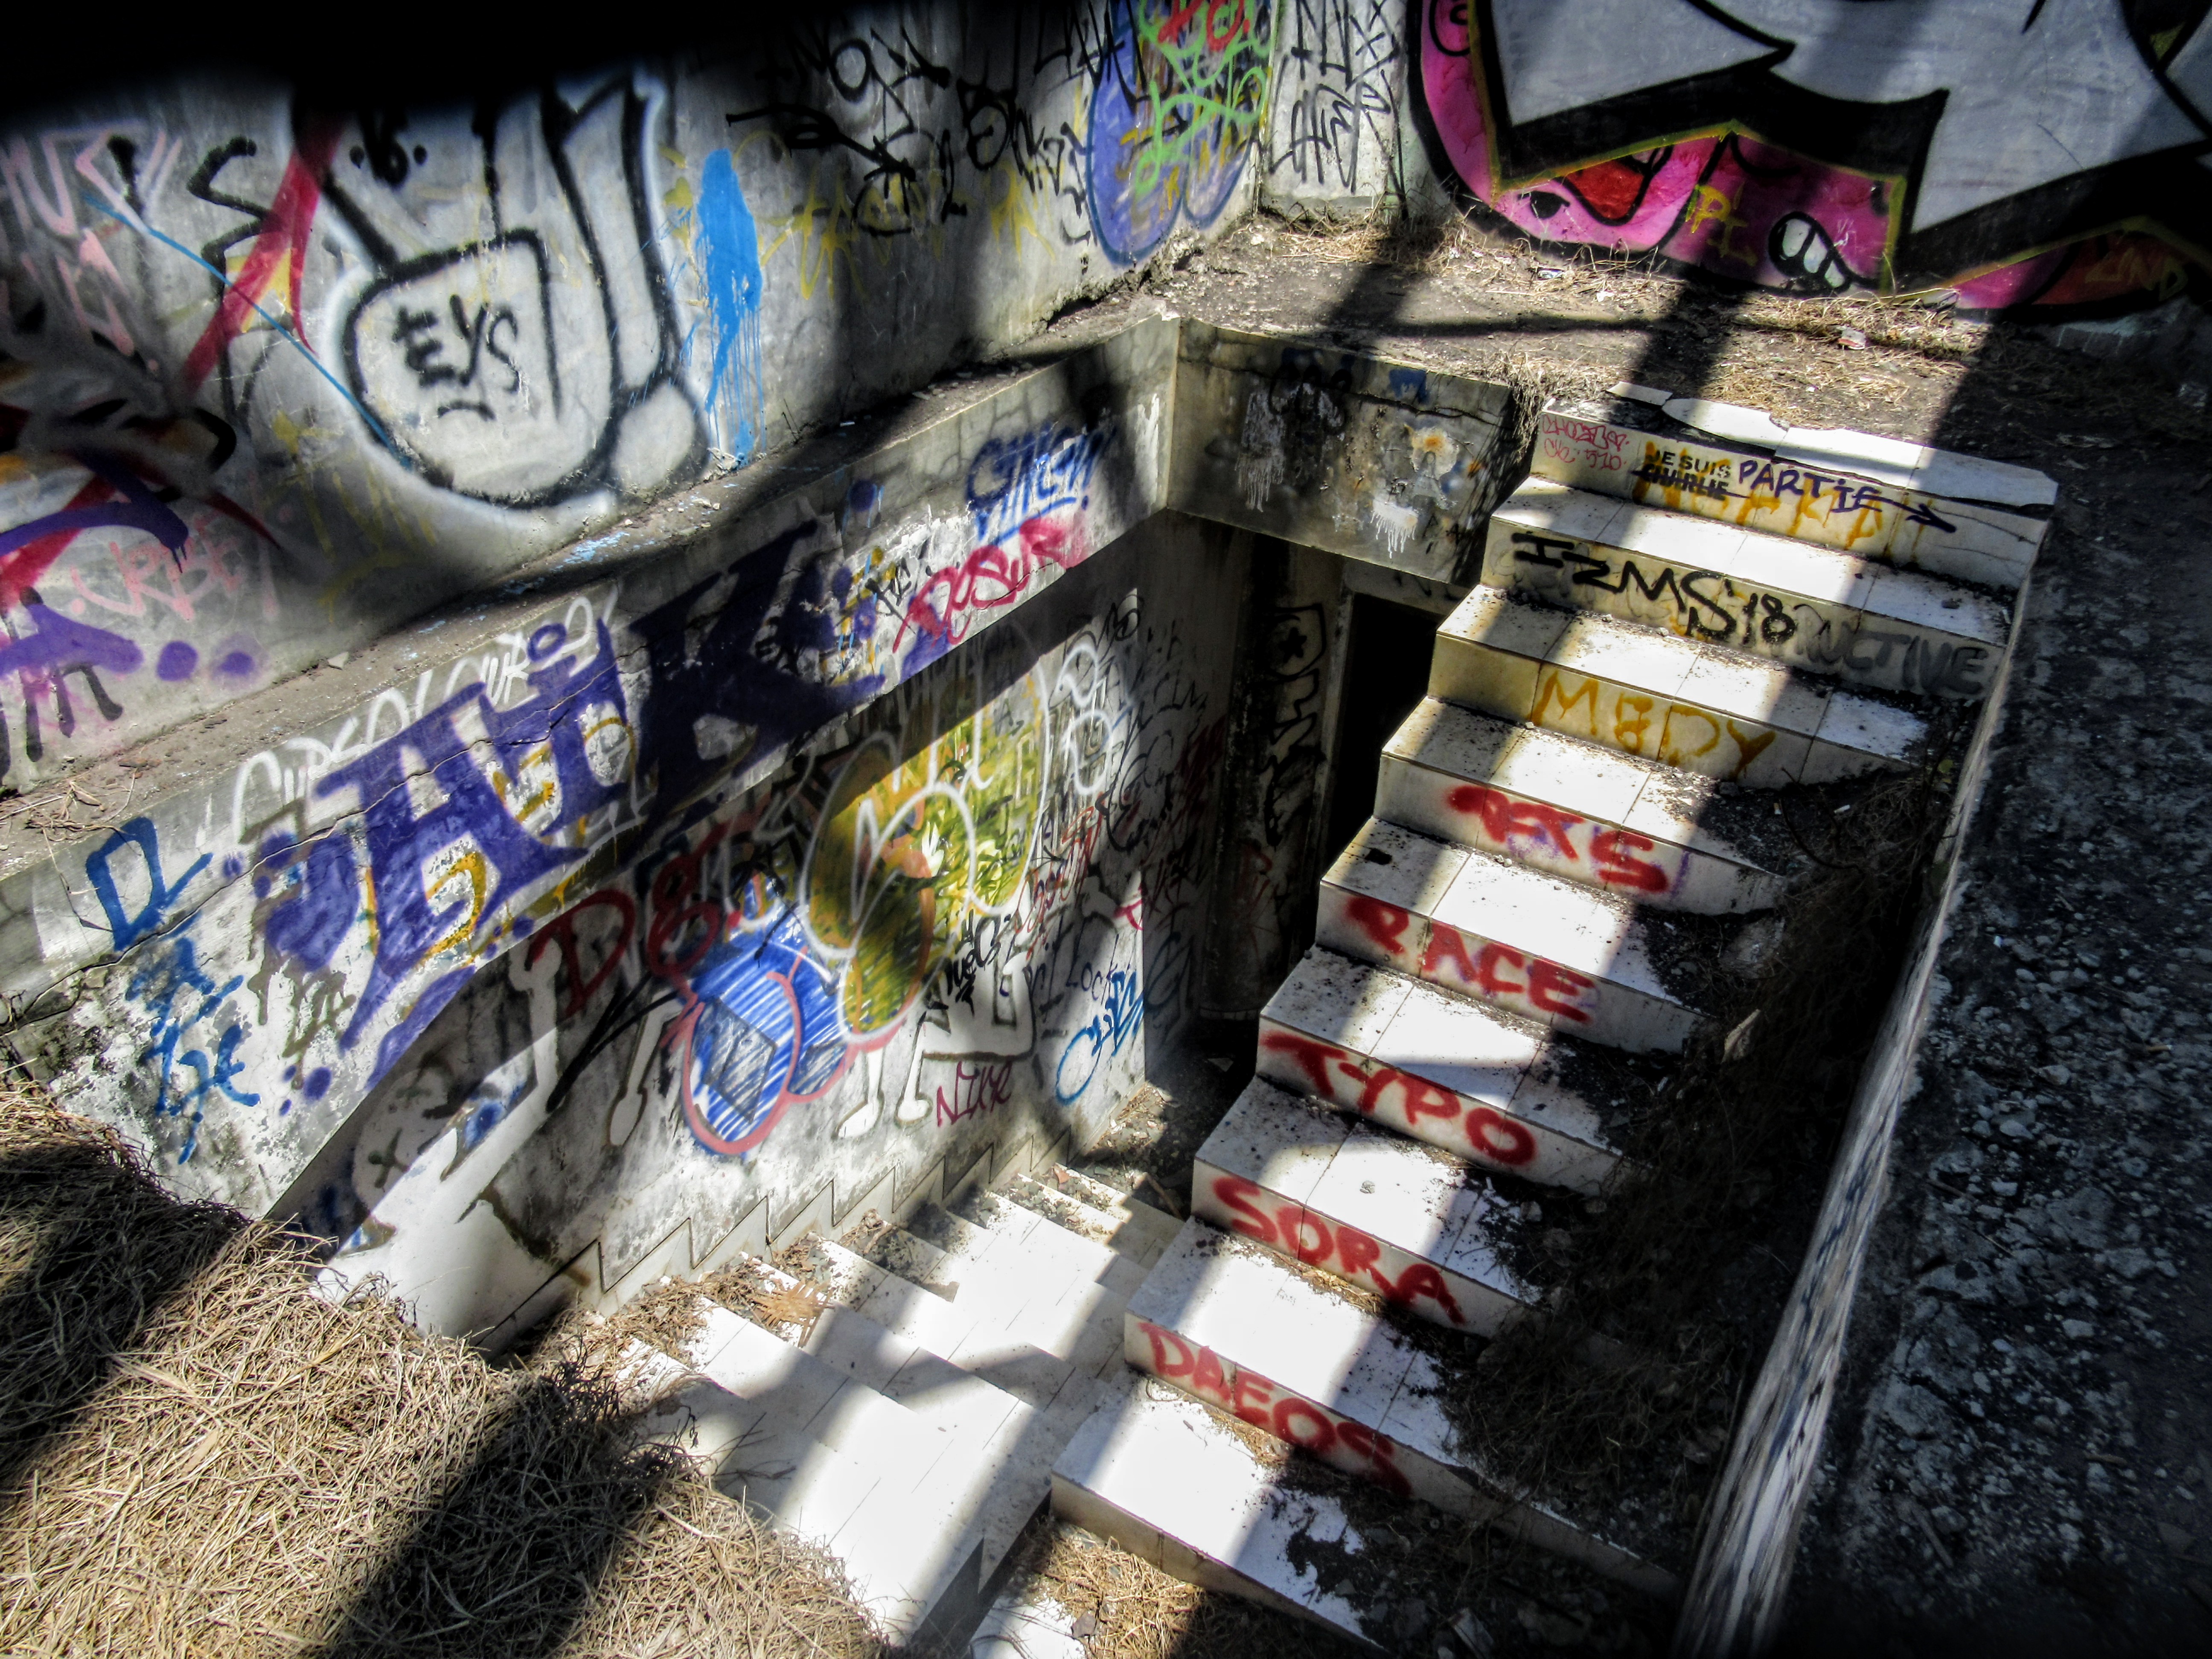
<point>730,270</point>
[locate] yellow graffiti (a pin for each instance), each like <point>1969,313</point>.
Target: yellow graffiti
<point>912,846</point>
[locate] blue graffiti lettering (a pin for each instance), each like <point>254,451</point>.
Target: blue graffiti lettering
<point>403,842</point>
<point>1106,1035</point>
<point>164,984</point>
<point>1013,480</point>
<point>326,897</point>
<point>160,896</point>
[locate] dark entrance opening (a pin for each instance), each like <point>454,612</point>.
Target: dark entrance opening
<point>1386,674</point>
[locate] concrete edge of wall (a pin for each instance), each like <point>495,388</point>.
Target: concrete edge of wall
<point>1739,1582</point>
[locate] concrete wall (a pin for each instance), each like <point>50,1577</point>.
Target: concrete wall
<point>958,931</point>
<point>2051,155</point>
<point>277,378</point>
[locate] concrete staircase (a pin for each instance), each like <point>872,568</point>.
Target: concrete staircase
<point>905,1407</point>
<point>1576,841</point>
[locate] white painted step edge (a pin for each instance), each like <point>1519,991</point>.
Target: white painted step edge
<point>1170,1482</point>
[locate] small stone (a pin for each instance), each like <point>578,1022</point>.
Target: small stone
<point>2175,1540</point>
<point>1918,1412</point>
<point>2077,1329</point>
<point>1084,1628</point>
<point>2059,1075</point>
<point>1851,339</point>
<point>1473,1634</point>
<point>1948,1521</point>
<point>2100,1479</point>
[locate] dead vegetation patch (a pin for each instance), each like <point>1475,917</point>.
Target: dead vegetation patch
<point>1685,1258</point>
<point>200,1455</point>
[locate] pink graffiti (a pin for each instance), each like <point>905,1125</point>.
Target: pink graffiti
<point>993,576</point>
<point>1729,202</point>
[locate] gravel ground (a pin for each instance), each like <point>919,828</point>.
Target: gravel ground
<point>2022,1452</point>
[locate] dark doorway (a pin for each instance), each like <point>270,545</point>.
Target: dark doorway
<point>1385,676</point>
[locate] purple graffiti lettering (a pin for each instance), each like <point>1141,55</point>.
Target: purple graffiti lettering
<point>736,675</point>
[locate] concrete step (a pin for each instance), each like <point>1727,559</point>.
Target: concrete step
<point>1216,1505</point>
<point>1503,1093</point>
<point>900,1250</point>
<point>1902,505</point>
<point>1697,706</point>
<point>1148,1218</point>
<point>1817,608</point>
<point>1578,958</point>
<point>1426,1230</point>
<point>1590,814</point>
<point>1239,1327</point>
<point>894,1498</point>
<point>1120,1230</point>
<point>988,1428</point>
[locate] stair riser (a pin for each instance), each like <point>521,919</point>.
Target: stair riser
<point>1636,722</point>
<point>1753,492</point>
<point>1596,853</point>
<point>1336,1248</point>
<point>1828,638</point>
<point>1476,1130</point>
<point>1335,1439</point>
<point>1517,980</point>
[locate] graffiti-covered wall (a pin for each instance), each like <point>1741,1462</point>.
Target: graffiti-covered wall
<point>961,927</point>
<point>276,376</point>
<point>2046,152</point>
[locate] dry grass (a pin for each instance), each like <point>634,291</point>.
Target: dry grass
<point>1124,1607</point>
<point>1668,1265</point>
<point>199,1455</point>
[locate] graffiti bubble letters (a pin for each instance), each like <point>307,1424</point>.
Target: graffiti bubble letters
<point>1338,1440</point>
<point>476,834</point>
<point>454,355</point>
<point>1177,106</point>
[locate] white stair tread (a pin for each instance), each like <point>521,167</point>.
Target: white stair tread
<point>1745,591</point>
<point>1238,1326</point>
<point>1136,1230</point>
<point>1945,472</point>
<point>1175,1484</point>
<point>1754,558</point>
<point>1650,694</point>
<point>1592,782</point>
<point>1480,893</point>
<point>1447,1070</point>
<point>1242,1301</point>
<point>1550,950</point>
<point>1388,1215</point>
<point>1915,526</point>
<point>833,1461</point>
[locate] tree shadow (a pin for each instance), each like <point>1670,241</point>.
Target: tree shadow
<point>510,1557</point>
<point>91,1250</point>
